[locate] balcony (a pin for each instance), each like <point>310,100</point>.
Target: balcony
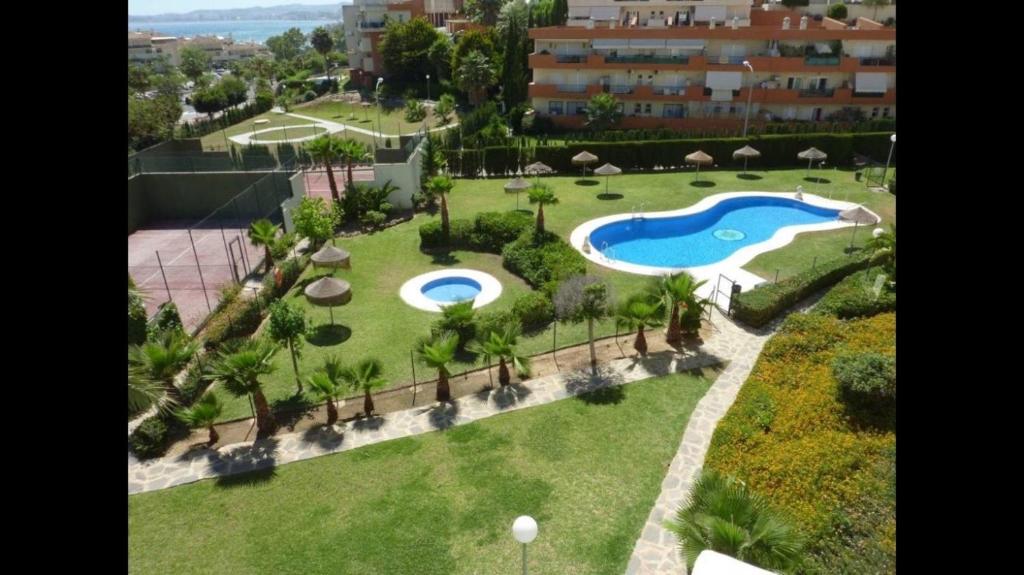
<point>817,93</point>
<point>618,89</point>
<point>371,25</point>
<point>570,58</point>
<point>643,59</point>
<point>726,60</point>
<point>878,61</point>
<point>571,88</point>
<point>820,60</point>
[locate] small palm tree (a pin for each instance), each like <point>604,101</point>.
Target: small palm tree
<point>325,150</point>
<point>240,371</point>
<point>351,151</point>
<point>503,346</point>
<point>458,318</point>
<point>722,515</point>
<point>438,354</point>
<point>439,186</point>
<point>640,312</point>
<point>144,392</point>
<point>366,376</point>
<point>884,248</point>
<point>676,291</point>
<point>161,359</point>
<point>327,386</point>
<point>263,232</point>
<point>204,413</point>
<point>541,195</point>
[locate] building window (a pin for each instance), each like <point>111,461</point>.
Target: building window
<point>673,111</point>
<point>874,113</point>
<point>636,109</point>
<point>885,112</point>
<point>647,108</point>
<point>555,108</point>
<point>575,108</point>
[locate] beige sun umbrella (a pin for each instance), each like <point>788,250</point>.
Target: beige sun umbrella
<point>329,292</point>
<point>699,158</point>
<point>606,171</point>
<point>538,168</point>
<point>858,216</point>
<point>812,155</point>
<point>582,159</point>
<point>331,257</point>
<point>746,152</point>
<point>517,185</point>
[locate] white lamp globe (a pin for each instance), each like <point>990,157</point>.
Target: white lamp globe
<point>524,529</point>
<point>877,232</point>
<point>892,138</point>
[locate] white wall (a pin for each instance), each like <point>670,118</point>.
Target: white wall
<point>406,176</point>
<point>298,192</point>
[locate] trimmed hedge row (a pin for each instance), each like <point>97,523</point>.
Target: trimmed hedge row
<point>764,303</point>
<point>488,232</point>
<point>542,258</point>
<point>854,296</point>
<point>777,151</point>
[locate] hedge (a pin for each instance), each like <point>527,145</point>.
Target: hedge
<point>541,258</point>
<point>762,304</point>
<point>488,232</point>
<point>789,437</point>
<point>854,297</point>
<point>155,434</point>
<point>777,151</point>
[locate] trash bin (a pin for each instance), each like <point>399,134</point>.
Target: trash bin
<point>856,176</point>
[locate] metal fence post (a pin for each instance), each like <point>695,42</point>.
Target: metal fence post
<point>167,287</point>
<point>245,255</point>
<point>209,308</point>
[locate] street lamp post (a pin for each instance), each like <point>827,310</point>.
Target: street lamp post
<point>524,529</point>
<point>892,139</point>
<point>428,87</point>
<point>379,126</point>
<point>750,96</point>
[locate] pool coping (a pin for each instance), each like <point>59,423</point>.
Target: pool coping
<point>410,292</point>
<point>731,266</point>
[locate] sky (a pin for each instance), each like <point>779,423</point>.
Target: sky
<point>148,7</point>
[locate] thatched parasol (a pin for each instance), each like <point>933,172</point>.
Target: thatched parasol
<point>607,170</point>
<point>538,168</point>
<point>582,159</point>
<point>746,152</point>
<point>517,185</point>
<point>812,155</point>
<point>858,216</point>
<point>699,158</point>
<point>331,257</point>
<point>329,292</point>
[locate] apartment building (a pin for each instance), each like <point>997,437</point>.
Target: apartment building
<point>695,64</point>
<point>364,23</point>
<point>148,46</point>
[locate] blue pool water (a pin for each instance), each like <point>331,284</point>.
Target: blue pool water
<point>453,289</point>
<point>705,237</point>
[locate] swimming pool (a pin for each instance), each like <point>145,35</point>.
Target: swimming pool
<point>705,237</point>
<point>434,290</point>
<point>451,289</point>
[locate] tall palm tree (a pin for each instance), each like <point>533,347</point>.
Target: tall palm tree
<point>676,291</point>
<point>541,195</point>
<point>351,151</point>
<point>583,298</point>
<point>438,354</point>
<point>722,515</point>
<point>264,233</point>
<point>161,359</point>
<point>439,186</point>
<point>639,312</point>
<point>475,76</point>
<point>240,371</point>
<point>327,386</point>
<point>503,346</point>
<point>203,413</point>
<point>325,150</point>
<point>366,376</point>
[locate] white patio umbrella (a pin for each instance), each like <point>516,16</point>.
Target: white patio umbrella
<point>582,159</point>
<point>517,185</point>
<point>858,216</point>
<point>606,171</point>
<point>812,155</point>
<point>746,152</point>
<point>699,158</point>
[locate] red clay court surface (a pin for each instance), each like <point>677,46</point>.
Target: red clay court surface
<point>171,240</point>
<point>318,186</point>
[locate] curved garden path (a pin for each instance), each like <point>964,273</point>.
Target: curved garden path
<point>331,127</point>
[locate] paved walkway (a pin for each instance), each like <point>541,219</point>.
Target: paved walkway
<point>728,343</point>
<point>331,127</point>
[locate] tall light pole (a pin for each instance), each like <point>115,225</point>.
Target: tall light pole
<point>428,87</point>
<point>750,96</point>
<point>892,139</point>
<point>379,126</point>
<point>524,529</point>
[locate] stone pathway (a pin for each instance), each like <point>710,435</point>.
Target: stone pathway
<point>728,343</point>
<point>331,127</point>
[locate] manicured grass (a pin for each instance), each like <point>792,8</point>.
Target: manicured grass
<point>217,139</point>
<point>392,119</point>
<point>289,133</point>
<point>587,469</point>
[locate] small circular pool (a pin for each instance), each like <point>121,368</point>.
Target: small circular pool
<point>434,290</point>
<point>453,289</point>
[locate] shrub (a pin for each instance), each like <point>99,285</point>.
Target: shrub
<point>194,383</point>
<point>540,258</point>
<point>166,318</point>
<point>837,11</point>
<point>431,235</point>
<point>892,186</point>
<point>495,322</point>
<point>309,96</point>
<point>762,304</point>
<point>237,319</point>
<point>373,219</point>
<point>458,318</point>
<point>854,297</point>
<point>866,374</point>
<point>154,435</point>
<point>136,320</point>
<point>534,310</point>
<point>290,272</point>
<point>492,230</point>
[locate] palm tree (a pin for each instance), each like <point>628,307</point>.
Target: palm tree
<point>722,515</point>
<point>351,151</point>
<point>676,290</point>
<point>144,392</point>
<point>583,298</point>
<point>439,186</point>
<point>541,195</point>
<point>438,354</point>
<point>639,312</point>
<point>263,232</point>
<point>603,112</point>
<point>458,318</point>
<point>204,413</point>
<point>161,359</point>
<point>327,386</point>
<point>503,346</point>
<point>322,43</point>
<point>475,75</point>
<point>366,376</point>
<point>324,150</point>
<point>240,373</point>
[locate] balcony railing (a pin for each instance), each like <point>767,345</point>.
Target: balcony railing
<point>570,58</point>
<point>645,59</point>
<point>572,88</point>
<point>878,61</point>
<point>669,90</point>
<point>869,94</point>
<point>821,60</point>
<point>371,25</point>
<point>726,60</point>
<point>618,89</point>
<point>817,93</point>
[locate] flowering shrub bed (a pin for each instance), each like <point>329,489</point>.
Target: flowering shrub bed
<point>793,439</point>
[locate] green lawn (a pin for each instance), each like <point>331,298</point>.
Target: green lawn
<point>378,323</point>
<point>392,120</point>
<point>216,140</point>
<point>289,133</point>
<point>587,469</point>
